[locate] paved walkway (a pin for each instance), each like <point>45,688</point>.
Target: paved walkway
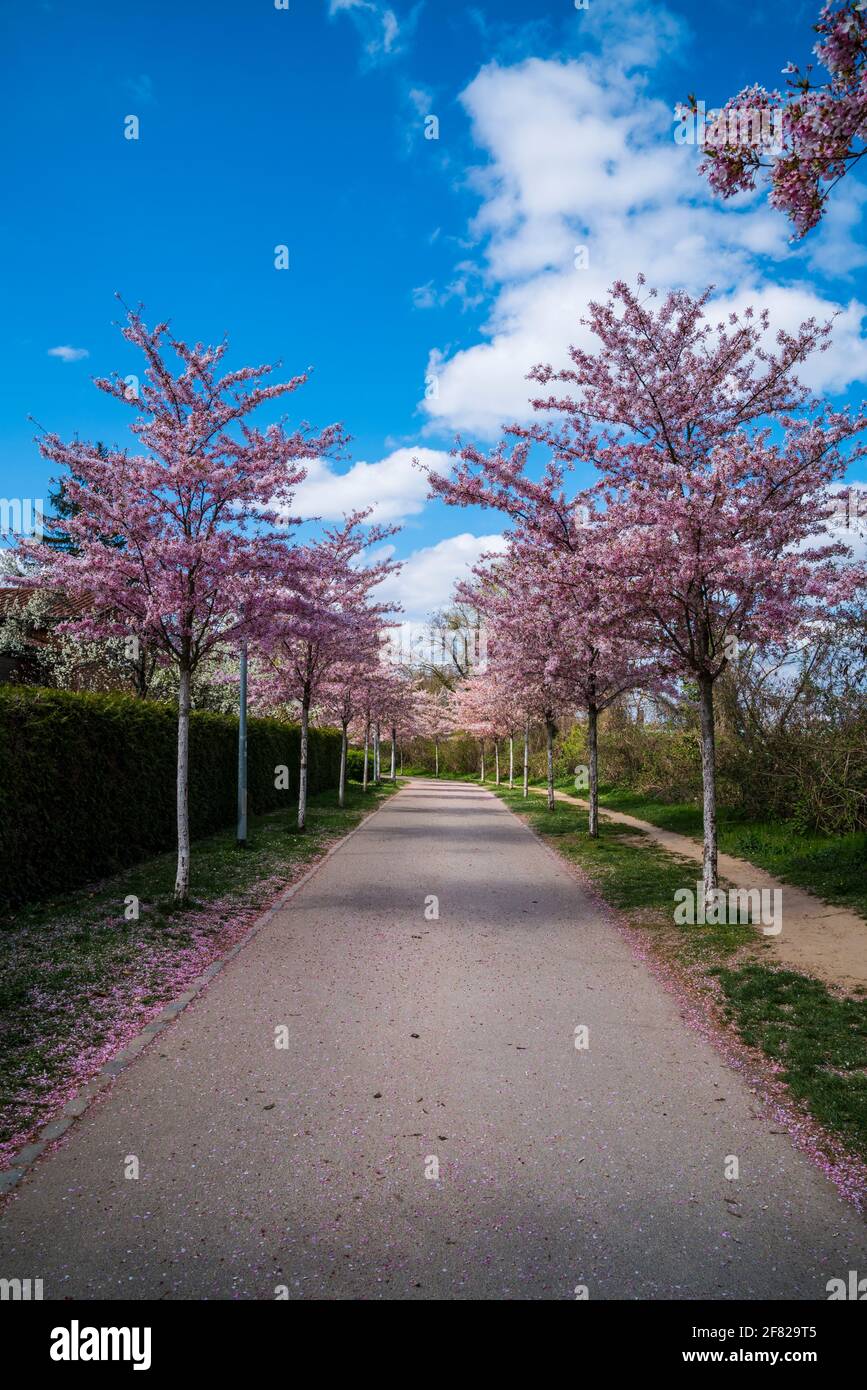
<point>817,937</point>
<point>411,1040</point>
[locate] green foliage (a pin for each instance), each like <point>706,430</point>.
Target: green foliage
<point>830,865</point>
<point>819,1039</point>
<point>355,764</point>
<point>662,762</point>
<point>64,509</point>
<point>812,774</point>
<point>87,782</point>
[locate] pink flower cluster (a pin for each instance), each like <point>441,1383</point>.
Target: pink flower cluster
<point>822,124</point>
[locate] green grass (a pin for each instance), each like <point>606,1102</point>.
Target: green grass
<point>77,979</point>
<point>818,1038</point>
<point>832,866</point>
<point>639,879</point>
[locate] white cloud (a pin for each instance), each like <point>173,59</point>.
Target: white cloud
<point>424,296</point>
<point>392,485</point>
<point>463,287</point>
<point>377,24</point>
<point>427,580</point>
<point>835,248</point>
<point>578,154</point>
<point>390,30</point>
<point>789,305</point>
<point>68,354</point>
<point>420,99</point>
<point>850,524</point>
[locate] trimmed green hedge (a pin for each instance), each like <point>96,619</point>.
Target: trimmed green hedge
<point>355,764</point>
<point>87,782</point>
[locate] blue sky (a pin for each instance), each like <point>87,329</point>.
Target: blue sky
<point>409,258</point>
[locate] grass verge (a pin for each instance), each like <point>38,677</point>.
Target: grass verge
<point>816,1040</point>
<point>831,866</point>
<point>77,979</point>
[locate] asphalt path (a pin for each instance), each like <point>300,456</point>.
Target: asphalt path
<point>430,1128</point>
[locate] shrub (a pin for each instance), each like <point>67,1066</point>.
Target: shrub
<point>87,782</point>
<point>355,764</point>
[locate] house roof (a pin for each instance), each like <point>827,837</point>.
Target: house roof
<point>61,608</point>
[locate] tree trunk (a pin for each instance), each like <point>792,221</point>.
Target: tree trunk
<point>511,760</point>
<point>393,753</point>
<point>593,753</point>
<point>341,790</point>
<point>496,762</point>
<point>708,775</point>
<point>182,877</point>
<point>549,737</point>
<point>401,760</point>
<point>377,753</point>
<point>527,756</point>
<point>437,756</point>
<point>482,746</point>
<point>366,755</point>
<point>241,834</point>
<point>302,771</point>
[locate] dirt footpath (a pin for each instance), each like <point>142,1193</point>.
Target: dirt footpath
<point>817,938</point>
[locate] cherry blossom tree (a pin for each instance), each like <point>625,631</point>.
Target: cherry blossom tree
<point>408,717</point>
<point>505,713</point>
<point>473,712</point>
<point>714,464</point>
<point>200,507</point>
<point>299,649</point>
<point>436,720</point>
<point>822,124</point>
<point>515,718</point>
<point>377,697</point>
<point>360,727</point>
<point>530,643</point>
<point>557,569</point>
<point>389,708</point>
<point>369,711</point>
<point>605,661</point>
<point>342,697</point>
